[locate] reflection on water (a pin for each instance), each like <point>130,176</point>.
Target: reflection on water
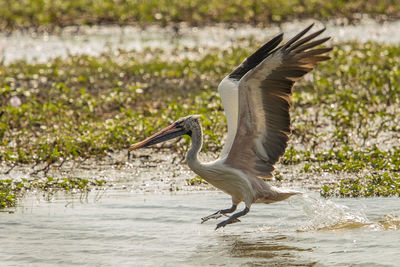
<point>259,250</point>
<point>127,228</point>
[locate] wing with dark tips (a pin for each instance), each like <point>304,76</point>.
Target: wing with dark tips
<point>264,100</point>
<point>256,58</point>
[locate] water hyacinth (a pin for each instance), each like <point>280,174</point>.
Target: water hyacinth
<point>11,190</point>
<point>344,117</point>
<point>15,101</point>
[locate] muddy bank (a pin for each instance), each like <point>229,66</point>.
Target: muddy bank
<point>154,170</point>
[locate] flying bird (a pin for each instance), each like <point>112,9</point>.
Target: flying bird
<point>256,100</point>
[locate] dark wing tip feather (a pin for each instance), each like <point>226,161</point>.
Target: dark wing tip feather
<point>298,36</point>
<point>298,57</point>
<point>306,39</point>
<point>310,45</point>
<point>256,58</point>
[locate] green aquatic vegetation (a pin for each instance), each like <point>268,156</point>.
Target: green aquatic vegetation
<point>7,195</point>
<point>374,185</point>
<point>197,180</point>
<point>344,115</point>
<point>51,14</point>
<point>64,116</point>
<point>66,184</point>
<point>346,159</point>
<point>11,190</point>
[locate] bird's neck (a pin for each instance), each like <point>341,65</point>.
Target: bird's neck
<point>197,142</point>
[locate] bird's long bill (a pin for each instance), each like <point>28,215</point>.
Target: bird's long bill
<point>165,134</point>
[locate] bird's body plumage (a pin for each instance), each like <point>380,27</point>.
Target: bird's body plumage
<point>256,99</point>
<point>241,186</point>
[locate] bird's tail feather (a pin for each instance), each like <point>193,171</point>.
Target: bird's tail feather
<point>277,194</point>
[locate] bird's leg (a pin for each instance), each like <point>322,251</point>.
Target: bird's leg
<point>219,213</point>
<point>233,218</point>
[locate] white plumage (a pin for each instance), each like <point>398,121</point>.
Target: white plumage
<point>256,99</point>
<point>228,90</point>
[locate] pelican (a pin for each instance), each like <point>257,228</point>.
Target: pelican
<point>256,100</point>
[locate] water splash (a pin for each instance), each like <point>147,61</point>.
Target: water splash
<point>388,222</point>
<point>328,215</point>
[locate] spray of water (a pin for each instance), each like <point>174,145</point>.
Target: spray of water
<point>327,215</point>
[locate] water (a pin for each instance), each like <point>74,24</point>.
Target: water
<point>173,44</point>
<point>123,228</point>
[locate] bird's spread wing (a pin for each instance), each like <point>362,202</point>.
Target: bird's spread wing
<point>265,87</point>
<point>228,89</point>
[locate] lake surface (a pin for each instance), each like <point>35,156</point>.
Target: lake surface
<point>175,43</point>
<point>126,228</point>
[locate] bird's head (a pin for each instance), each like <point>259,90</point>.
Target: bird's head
<point>178,128</point>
